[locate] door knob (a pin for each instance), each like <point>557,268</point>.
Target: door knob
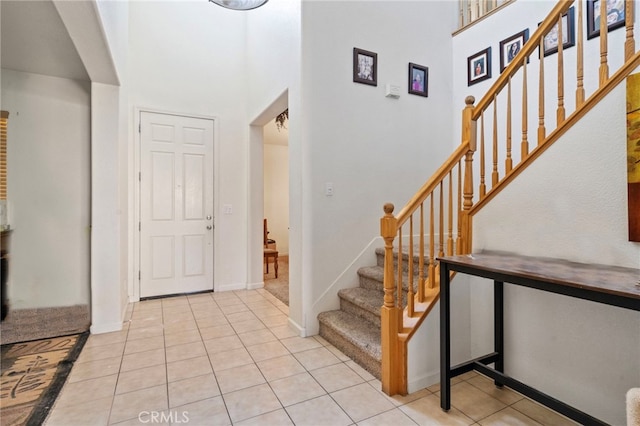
<point>209,227</point>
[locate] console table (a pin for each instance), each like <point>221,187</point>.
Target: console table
<point>611,285</point>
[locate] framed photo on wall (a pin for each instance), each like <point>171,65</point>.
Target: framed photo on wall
<point>568,34</point>
<point>418,80</point>
<point>510,47</point>
<point>365,67</point>
<point>615,16</point>
<point>479,66</point>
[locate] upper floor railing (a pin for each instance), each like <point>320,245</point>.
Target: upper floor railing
<point>472,10</point>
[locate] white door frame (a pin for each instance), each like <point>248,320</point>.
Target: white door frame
<point>134,285</point>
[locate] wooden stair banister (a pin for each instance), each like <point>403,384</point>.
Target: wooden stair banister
<point>446,201</point>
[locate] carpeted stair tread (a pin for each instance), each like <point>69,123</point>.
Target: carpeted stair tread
<point>372,277</point>
<point>362,302</point>
<point>366,299</point>
<point>356,338</point>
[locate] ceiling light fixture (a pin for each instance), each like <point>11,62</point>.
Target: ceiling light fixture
<point>239,4</point>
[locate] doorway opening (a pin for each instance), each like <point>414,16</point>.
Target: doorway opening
<point>269,195</point>
<point>276,206</point>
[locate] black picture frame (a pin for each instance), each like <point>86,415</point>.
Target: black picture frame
<point>365,67</point>
<point>418,80</point>
<point>511,46</point>
<point>479,66</point>
<point>615,16</point>
<point>550,43</point>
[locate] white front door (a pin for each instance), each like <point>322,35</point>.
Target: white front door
<point>176,204</point>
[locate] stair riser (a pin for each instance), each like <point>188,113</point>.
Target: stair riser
<point>352,308</point>
<point>361,358</point>
<point>371,283</point>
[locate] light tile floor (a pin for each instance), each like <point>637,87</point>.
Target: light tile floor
<point>230,358</point>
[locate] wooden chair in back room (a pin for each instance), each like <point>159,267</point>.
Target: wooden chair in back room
<point>270,251</point>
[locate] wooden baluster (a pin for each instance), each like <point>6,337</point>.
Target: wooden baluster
<point>410,266</point>
<point>450,216</point>
<point>421,261</point>
<point>494,173</point>
<point>524,144</point>
<point>432,243</point>
<point>483,185</point>
<point>629,44</point>
<point>604,66</point>
<point>459,211</point>
<point>541,130</point>
<point>441,224</point>
<point>400,267</point>
<point>462,21</point>
<point>560,113</point>
<point>508,162</point>
<point>388,225</point>
<point>580,60</point>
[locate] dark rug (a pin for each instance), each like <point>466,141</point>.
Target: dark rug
<point>279,287</point>
<point>33,374</point>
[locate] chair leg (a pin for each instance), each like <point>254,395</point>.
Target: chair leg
<point>275,265</point>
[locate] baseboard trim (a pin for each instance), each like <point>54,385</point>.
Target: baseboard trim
<point>105,328</point>
<point>231,287</point>
<point>302,332</point>
<point>424,381</point>
<point>255,286</point>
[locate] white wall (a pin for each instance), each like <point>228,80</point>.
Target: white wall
<point>183,58</point>
<point>107,308</point>
<point>570,204</point>
<point>273,64</point>
<point>115,21</point>
<point>49,189</point>
<point>276,194</point>
<point>356,138</point>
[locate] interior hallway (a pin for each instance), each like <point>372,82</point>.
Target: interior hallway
<point>230,358</point>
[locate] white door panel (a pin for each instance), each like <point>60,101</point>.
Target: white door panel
<point>176,196</point>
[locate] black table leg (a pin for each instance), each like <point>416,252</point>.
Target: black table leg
<point>445,339</point>
<point>498,324</point>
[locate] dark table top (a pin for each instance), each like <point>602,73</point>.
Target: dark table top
<point>609,279</point>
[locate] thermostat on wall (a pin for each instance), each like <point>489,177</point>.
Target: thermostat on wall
<point>392,91</point>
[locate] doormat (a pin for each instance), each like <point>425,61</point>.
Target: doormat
<point>33,374</point>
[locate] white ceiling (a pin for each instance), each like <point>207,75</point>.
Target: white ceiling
<point>35,40</point>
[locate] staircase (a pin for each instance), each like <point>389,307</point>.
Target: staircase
<point>375,322</point>
<point>355,327</point>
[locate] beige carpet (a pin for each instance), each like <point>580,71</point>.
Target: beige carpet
<point>22,325</point>
<point>279,287</point>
